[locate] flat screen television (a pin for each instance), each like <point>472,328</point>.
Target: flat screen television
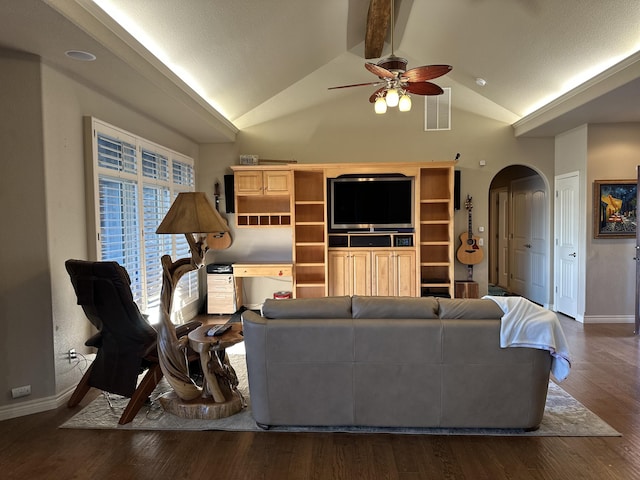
<point>371,202</point>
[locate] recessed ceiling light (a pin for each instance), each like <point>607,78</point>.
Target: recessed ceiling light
<point>80,55</point>
<point>481,82</point>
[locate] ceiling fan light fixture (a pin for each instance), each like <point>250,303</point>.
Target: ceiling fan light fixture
<point>392,97</point>
<point>404,105</point>
<point>380,106</point>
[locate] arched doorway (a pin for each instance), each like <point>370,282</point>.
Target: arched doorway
<point>519,259</point>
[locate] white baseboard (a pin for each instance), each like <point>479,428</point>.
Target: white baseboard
<point>38,405</point>
<point>609,319</point>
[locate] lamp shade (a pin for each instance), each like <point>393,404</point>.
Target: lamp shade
<point>404,105</point>
<point>380,106</point>
<point>392,97</point>
<point>192,212</point>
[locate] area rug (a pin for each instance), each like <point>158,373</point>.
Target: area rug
<point>496,291</point>
<point>564,416</point>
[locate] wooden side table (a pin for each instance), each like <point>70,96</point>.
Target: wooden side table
<point>467,289</point>
<point>220,397</point>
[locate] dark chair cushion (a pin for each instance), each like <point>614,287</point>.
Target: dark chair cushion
<point>103,291</point>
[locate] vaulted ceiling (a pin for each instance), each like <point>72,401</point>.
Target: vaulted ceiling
<point>210,67</point>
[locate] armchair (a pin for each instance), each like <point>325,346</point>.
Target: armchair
<point>125,342</point>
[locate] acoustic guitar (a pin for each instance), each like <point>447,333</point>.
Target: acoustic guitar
<point>219,240</point>
<point>469,252</point>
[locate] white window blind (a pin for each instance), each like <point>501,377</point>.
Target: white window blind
<point>135,182</point>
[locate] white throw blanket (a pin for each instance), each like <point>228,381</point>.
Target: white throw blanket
<point>525,324</point>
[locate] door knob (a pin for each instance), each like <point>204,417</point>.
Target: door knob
<point>572,254</point>
<point>528,245</point>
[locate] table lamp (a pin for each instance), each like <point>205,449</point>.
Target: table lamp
<point>191,214</point>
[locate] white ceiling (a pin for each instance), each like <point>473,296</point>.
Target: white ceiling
<point>209,67</point>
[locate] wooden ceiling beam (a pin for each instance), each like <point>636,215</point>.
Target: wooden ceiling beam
<point>378,19</point>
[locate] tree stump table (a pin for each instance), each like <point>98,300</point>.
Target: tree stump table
<point>220,397</point>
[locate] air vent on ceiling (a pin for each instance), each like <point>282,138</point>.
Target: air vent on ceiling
<point>437,111</point>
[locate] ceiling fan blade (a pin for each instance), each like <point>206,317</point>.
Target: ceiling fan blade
<point>377,24</point>
<point>379,71</point>
<point>426,72</point>
<point>373,97</point>
<point>355,85</point>
<point>424,88</point>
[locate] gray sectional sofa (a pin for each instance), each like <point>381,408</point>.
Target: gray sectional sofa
<point>390,362</point>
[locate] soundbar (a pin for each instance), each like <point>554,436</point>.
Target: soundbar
<point>370,241</point>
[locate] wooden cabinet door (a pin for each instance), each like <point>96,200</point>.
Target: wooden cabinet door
<point>339,278</point>
<point>248,182</point>
<point>360,272</point>
<point>405,273</point>
<point>276,182</point>
<point>349,272</point>
<point>394,273</point>
<point>382,275</point>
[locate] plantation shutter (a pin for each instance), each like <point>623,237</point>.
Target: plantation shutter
<point>118,194</point>
<point>136,182</point>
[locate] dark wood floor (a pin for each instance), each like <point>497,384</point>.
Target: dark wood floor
<point>605,377</point>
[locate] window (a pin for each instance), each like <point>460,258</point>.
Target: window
<point>134,183</point>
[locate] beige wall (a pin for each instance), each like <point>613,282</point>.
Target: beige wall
<point>65,103</point>
<point>26,326</point>
<point>43,199</point>
<point>613,154</point>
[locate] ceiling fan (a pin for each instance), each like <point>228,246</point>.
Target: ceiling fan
<point>395,81</point>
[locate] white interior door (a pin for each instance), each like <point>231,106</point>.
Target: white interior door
<point>520,233</point>
<point>503,238</point>
<point>567,261</point>
<point>499,247</point>
<point>529,271</point>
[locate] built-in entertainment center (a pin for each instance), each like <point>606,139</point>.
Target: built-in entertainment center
<point>358,229</point>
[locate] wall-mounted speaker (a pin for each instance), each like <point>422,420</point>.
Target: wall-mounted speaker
<point>229,196</point>
<point>456,189</point>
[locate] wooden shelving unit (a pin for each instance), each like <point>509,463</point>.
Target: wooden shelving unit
<point>309,233</point>
<point>436,231</point>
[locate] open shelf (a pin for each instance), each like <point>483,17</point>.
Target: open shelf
<point>262,220</point>
<point>310,253</point>
<point>436,231</point>
<point>310,212</point>
<point>309,233</point>
<point>309,186</point>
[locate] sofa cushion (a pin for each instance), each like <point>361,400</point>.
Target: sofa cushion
<point>394,307</point>
<point>300,308</point>
<point>469,308</point>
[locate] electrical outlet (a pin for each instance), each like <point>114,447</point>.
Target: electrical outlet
<point>72,354</point>
<point>21,391</point>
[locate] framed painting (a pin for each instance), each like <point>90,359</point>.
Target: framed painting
<point>614,208</point>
